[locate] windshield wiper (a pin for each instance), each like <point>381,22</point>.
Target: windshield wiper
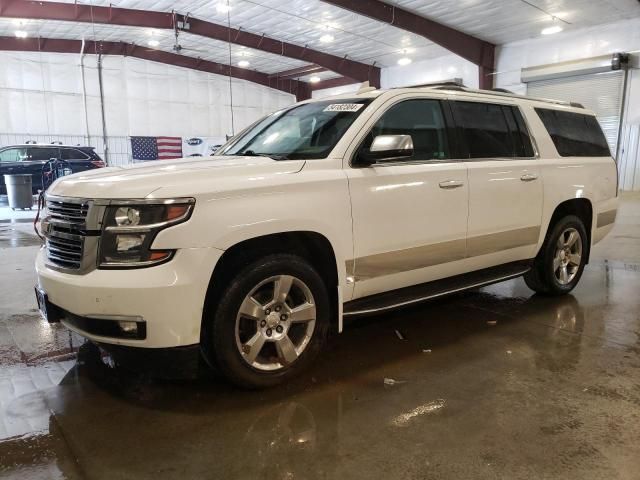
<point>251,153</point>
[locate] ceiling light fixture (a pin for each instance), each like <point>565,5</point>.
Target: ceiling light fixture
<point>404,61</point>
<point>243,63</point>
<point>551,30</point>
<point>21,34</point>
<point>329,26</point>
<point>314,79</point>
<point>326,38</point>
<point>153,43</point>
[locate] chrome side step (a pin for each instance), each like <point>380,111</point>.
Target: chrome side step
<point>408,296</point>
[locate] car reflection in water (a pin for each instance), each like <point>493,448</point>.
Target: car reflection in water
<point>119,423</point>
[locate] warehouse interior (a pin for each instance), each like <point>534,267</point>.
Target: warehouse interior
<point>496,382</point>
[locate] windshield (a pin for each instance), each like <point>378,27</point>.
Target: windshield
<point>305,131</point>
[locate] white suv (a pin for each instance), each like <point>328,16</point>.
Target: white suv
<point>330,208</point>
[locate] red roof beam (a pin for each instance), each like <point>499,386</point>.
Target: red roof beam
<point>471,48</point>
<point>75,12</point>
<point>299,72</point>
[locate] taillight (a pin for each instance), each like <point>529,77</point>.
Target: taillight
<point>97,163</point>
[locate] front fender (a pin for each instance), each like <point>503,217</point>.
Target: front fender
<point>315,201</point>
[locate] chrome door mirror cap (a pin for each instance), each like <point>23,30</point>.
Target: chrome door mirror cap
<point>383,144</point>
<point>387,148</point>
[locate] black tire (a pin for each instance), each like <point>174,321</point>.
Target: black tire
<point>221,345</point>
<point>542,276</point>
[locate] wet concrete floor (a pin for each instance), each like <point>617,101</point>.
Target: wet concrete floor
<point>496,383</point>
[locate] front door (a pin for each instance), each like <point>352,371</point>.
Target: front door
<point>409,216</point>
<point>505,187</point>
<point>11,163</point>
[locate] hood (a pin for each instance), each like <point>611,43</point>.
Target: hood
<point>183,177</point>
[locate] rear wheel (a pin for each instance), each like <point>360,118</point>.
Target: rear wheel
<point>271,321</point>
<point>559,265</point>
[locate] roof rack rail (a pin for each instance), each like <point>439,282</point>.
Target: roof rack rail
<point>448,83</point>
<point>458,88</point>
<point>501,92</point>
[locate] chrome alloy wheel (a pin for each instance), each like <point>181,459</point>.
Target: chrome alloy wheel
<point>568,256</point>
<point>275,322</point>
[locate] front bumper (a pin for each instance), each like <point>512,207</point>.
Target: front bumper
<point>169,298</point>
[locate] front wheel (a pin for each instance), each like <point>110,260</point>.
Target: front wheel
<point>559,265</point>
<point>271,321</point>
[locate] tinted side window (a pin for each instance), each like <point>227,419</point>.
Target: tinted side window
<point>525,146</point>
<point>43,153</point>
<point>574,134</point>
<point>72,154</point>
<point>13,155</point>
<point>423,120</point>
<point>485,129</point>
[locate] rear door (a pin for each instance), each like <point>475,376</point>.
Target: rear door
<point>505,186</point>
<point>78,160</point>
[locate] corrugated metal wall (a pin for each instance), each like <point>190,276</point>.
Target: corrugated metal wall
<point>629,162</point>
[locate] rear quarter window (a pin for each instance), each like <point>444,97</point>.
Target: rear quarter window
<point>73,154</point>
<point>574,134</point>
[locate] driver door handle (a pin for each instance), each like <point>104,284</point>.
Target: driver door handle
<point>529,177</point>
<point>449,184</point>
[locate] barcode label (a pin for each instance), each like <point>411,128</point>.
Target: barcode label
<point>343,107</point>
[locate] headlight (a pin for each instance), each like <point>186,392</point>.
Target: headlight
<point>127,216</point>
<point>130,228</point>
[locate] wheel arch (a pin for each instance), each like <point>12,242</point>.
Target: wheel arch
<point>581,208</point>
<point>312,246</point>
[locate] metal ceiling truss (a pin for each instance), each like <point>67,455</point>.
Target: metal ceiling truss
<point>299,72</point>
<point>477,51</point>
<point>473,49</point>
<point>76,12</point>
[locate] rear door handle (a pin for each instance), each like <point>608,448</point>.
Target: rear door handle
<point>529,177</point>
<point>449,184</point>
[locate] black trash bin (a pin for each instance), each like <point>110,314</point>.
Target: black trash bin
<point>19,191</point>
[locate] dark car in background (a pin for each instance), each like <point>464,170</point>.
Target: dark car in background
<point>20,159</point>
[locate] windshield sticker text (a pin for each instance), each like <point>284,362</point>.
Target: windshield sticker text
<point>343,107</point>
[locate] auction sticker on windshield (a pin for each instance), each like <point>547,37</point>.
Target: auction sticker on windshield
<point>343,107</point>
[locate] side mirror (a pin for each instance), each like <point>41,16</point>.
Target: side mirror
<point>387,147</point>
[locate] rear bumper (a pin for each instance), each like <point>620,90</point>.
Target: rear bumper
<point>168,298</point>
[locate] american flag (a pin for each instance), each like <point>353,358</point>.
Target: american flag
<point>156,148</point>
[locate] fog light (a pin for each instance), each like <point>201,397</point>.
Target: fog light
<point>130,328</point>
<point>125,243</point>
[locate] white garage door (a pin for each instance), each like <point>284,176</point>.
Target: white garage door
<point>600,92</point>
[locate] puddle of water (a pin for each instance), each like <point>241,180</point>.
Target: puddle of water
<point>10,237</point>
<point>16,220</point>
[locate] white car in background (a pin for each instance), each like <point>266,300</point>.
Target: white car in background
<point>346,206</point>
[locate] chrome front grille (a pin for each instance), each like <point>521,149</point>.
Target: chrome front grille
<point>64,249</point>
<point>72,231</point>
<point>73,213</point>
